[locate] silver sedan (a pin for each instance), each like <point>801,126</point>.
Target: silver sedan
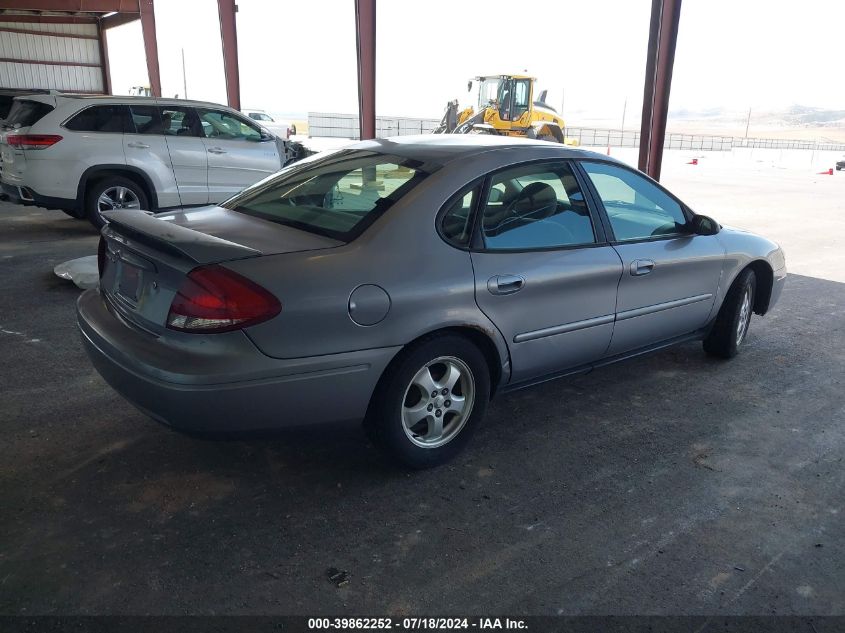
<point>403,282</point>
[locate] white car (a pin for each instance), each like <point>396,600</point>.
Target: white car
<point>86,155</point>
<point>282,128</point>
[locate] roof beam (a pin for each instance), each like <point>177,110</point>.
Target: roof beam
<point>75,6</point>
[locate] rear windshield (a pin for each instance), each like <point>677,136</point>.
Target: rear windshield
<point>338,196</point>
<point>25,113</point>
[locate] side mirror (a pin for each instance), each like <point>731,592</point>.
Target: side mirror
<point>265,136</point>
<point>703,225</point>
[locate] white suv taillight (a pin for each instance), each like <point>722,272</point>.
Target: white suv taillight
<point>32,141</point>
<point>215,299</point>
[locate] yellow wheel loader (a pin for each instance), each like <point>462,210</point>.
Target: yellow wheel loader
<point>506,106</point>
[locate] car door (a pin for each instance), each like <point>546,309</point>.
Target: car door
<point>544,273</point>
<point>146,149</point>
<point>183,135</point>
<point>239,153</point>
<point>670,274</point>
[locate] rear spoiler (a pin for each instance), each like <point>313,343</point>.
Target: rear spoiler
<point>147,229</point>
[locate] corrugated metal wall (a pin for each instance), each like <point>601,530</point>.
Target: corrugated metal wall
<point>74,46</point>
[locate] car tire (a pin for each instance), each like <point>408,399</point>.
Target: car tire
<point>421,430</point>
<point>293,130</point>
<point>112,188</point>
<point>731,327</point>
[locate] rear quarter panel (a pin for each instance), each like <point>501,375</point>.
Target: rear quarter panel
<point>429,282</point>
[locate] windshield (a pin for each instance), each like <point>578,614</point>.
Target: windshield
<point>25,113</point>
<point>260,116</point>
<point>488,91</point>
<point>338,196</point>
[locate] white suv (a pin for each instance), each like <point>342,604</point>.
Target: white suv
<point>85,154</point>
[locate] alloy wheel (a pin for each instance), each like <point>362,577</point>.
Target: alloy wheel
<point>744,317</point>
<point>118,197</point>
<point>438,402</point>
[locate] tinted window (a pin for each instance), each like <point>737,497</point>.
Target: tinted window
<point>101,118</point>
<point>25,113</point>
<point>146,119</point>
<point>536,206</point>
<point>180,121</point>
<point>226,126</point>
<point>456,224</point>
<point>337,196</point>
<point>636,208</point>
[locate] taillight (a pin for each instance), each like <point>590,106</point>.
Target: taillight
<point>215,299</point>
<point>32,141</point>
<point>101,255</point>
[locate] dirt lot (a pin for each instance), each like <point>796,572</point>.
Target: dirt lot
<point>674,484</point>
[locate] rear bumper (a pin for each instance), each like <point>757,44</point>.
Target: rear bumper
<point>26,196</point>
<point>257,393</point>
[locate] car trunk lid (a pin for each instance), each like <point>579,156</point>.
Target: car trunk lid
<point>145,259</point>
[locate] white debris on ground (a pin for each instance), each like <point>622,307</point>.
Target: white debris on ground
<point>82,271</point>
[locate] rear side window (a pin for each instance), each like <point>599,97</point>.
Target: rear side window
<point>101,118</point>
<point>146,119</point>
<point>456,225</point>
<point>338,196</point>
<point>536,207</point>
<point>179,121</point>
<point>24,113</point>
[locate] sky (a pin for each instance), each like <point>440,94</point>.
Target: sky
<point>299,55</point>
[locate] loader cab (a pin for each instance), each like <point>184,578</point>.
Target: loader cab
<point>511,96</point>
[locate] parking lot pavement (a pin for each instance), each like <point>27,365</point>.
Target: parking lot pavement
<point>673,484</point>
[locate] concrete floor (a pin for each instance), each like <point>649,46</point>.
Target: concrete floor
<point>675,484</point>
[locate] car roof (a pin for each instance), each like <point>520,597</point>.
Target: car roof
<point>444,148</point>
<point>122,99</point>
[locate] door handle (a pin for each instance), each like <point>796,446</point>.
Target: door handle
<point>641,267</point>
<point>505,284</point>
<point>138,145</point>
<point>216,150</point>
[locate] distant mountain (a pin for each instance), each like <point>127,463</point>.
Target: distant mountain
<point>795,116</point>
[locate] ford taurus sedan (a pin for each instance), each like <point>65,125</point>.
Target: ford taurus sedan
<point>403,282</point>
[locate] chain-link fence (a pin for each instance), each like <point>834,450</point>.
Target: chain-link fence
<point>346,126</point>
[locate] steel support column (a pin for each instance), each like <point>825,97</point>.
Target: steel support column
<point>148,26</point>
<point>229,35</point>
<point>104,57</point>
<point>365,39</point>
<point>662,39</point>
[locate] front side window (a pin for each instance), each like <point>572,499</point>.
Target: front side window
<point>101,118</point>
<point>179,121</point>
<point>535,207</point>
<point>224,126</point>
<point>637,208</point>
<point>337,196</point>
